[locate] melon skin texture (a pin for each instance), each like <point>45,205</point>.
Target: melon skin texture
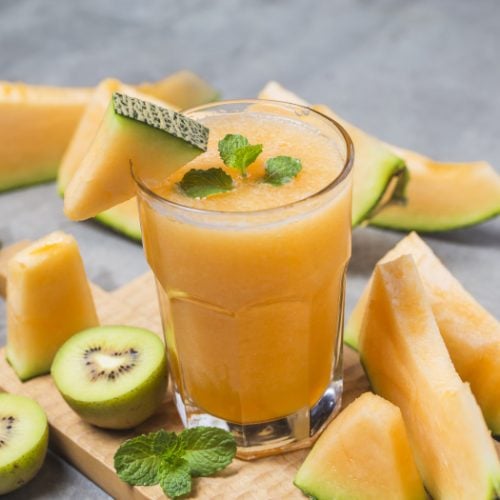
<point>471,334</point>
<point>442,196</point>
<point>363,454</point>
<point>406,361</point>
<point>379,175</point>
<point>20,465</point>
<point>49,300</point>
<point>154,140</point>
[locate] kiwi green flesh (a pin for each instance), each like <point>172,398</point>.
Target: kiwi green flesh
<point>112,376</point>
<point>23,440</point>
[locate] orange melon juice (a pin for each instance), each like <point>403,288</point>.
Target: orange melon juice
<point>251,282</point>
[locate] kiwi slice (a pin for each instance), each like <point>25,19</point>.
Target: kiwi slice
<point>114,377</point>
<point>24,435</point>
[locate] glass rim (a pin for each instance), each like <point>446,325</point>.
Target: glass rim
<point>338,179</point>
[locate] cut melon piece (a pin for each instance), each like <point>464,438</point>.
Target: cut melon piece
<point>471,334</point>
<point>364,454</point>
<point>443,196</point>
<point>36,125</point>
<point>49,300</point>
<point>156,140</point>
<point>183,89</point>
<point>379,174</point>
<point>406,361</point>
<point>88,126</point>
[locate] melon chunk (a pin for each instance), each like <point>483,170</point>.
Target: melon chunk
<point>154,139</point>
<point>471,334</point>
<point>36,124</point>
<point>443,196</point>
<point>183,89</point>
<point>407,363</point>
<point>364,454</point>
<point>48,301</point>
<point>379,174</point>
<point>123,218</point>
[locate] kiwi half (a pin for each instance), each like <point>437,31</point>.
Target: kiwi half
<point>114,377</point>
<point>24,435</point>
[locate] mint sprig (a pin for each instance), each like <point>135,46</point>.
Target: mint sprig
<point>171,459</point>
<point>202,183</point>
<point>281,170</point>
<point>237,152</point>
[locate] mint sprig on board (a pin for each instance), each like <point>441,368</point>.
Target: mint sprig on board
<point>237,152</point>
<point>281,170</point>
<point>171,459</point>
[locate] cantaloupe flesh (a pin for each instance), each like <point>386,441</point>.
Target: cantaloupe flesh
<point>471,334</point>
<point>182,89</point>
<point>364,454</point>
<point>378,174</point>
<point>49,300</point>
<point>36,124</point>
<point>407,363</point>
<point>88,126</point>
<point>104,177</point>
<point>443,196</point>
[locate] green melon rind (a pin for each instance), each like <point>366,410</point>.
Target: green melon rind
<point>25,179</point>
<point>19,472</point>
<point>392,168</point>
<point>434,225</point>
<point>121,225</point>
<point>167,120</point>
<point>126,411</point>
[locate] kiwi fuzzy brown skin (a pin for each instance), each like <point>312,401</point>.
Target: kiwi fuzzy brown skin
<point>128,409</point>
<point>17,473</point>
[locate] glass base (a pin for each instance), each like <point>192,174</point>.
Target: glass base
<point>295,431</point>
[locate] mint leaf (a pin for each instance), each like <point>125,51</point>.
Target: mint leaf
<point>176,477</point>
<point>203,183</point>
<point>139,460</point>
<point>281,170</point>
<point>207,449</point>
<point>236,152</point>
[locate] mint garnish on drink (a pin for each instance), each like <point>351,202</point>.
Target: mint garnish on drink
<point>171,460</point>
<point>202,183</point>
<point>236,152</point>
<point>281,170</point>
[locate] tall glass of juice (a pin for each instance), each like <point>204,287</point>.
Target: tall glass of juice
<point>251,281</point>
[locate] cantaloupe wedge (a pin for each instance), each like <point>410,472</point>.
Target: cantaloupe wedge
<point>443,196</point>
<point>123,218</point>
<point>407,363</point>
<point>364,454</point>
<point>378,174</point>
<point>471,334</point>
<point>154,139</point>
<point>37,122</point>
<point>49,300</point>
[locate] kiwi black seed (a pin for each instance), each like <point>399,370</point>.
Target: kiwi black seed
<point>23,440</point>
<point>112,376</point>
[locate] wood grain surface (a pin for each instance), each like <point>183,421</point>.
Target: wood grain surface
<point>91,450</point>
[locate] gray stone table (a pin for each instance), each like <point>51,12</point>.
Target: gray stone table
<point>421,74</point>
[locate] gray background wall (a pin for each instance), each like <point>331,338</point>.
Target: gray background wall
<point>420,74</point>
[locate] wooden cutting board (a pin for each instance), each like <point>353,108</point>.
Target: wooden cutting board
<point>91,450</point>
